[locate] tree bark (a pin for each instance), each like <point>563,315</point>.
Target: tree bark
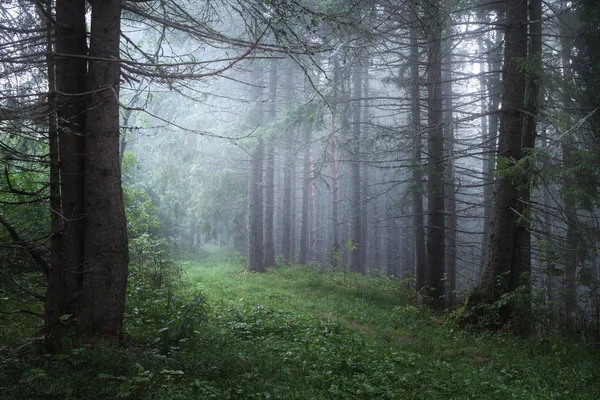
<point>572,260</point>
<point>435,158</point>
<point>306,185</point>
<point>451,217</point>
<point>417,173</point>
<point>255,211</point>
<point>364,224</point>
<point>287,211</point>
<point>501,274</point>
<point>270,175</point>
<point>106,254</point>
<point>335,188</point>
<point>355,258</point>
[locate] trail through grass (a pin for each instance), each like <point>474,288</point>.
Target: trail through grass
<point>298,333</point>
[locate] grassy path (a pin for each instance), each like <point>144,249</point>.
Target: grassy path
<point>302,334</point>
<point>296,333</point>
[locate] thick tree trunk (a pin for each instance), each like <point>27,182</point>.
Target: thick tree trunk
<point>355,258</point>
<point>435,158</point>
<point>104,272</point>
<point>501,274</point>
<point>493,92</point>
<point>67,152</point>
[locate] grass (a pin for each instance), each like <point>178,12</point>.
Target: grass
<point>298,333</point>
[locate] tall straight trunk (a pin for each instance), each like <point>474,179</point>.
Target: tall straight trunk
<point>270,175</point>
<point>501,274</point>
<point>376,231</point>
<point>335,219</point>
<point>287,212</point>
<point>256,251</point>
<point>485,144</point>
<point>572,259</point>
<point>365,169</point>
<point>306,185</point>
<point>294,213</point>
<point>63,282</point>
<point>104,272</point>
<point>435,159</point>
<point>522,254</point>
<point>548,253</point>
<point>255,211</point>
<point>450,184</point>
<point>391,239</point>
<point>493,92</point>
<point>355,257</point>
<point>312,226</point>
<point>417,173</point>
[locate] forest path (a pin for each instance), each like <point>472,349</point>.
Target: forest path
<point>298,332</point>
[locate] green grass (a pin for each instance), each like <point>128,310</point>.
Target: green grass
<point>297,333</point>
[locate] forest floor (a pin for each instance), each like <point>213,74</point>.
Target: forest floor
<point>301,333</point>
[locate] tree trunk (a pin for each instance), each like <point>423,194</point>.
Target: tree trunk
<point>288,170</point>
<point>106,254</point>
<point>355,258</point>
<point>522,257</point>
<point>572,259</point>
<point>256,251</point>
<point>450,185</point>
<point>501,274</point>
<point>435,158</point>
<point>365,169</point>
<point>255,211</point>
<point>270,175</point>
<point>335,188</point>
<point>417,173</point>
<point>493,92</point>
<point>306,184</point>
<point>67,168</point>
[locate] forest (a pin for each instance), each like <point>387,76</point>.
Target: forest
<point>299,199</point>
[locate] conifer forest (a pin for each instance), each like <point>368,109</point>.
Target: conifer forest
<point>299,199</point>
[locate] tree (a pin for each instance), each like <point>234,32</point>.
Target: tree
<point>355,259</point>
<point>255,184</point>
<point>270,174</point>
<point>502,272</point>
<point>67,172</point>
<point>435,157</point>
<point>450,187</point>
<point>417,174</point>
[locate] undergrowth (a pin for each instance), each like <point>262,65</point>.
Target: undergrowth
<point>300,333</point>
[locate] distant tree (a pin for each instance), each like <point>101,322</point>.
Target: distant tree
<point>355,251</point>
<point>270,174</point>
<point>256,250</point>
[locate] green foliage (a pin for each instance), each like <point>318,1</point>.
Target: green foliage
<point>141,212</point>
<point>155,312</point>
<point>301,333</point>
